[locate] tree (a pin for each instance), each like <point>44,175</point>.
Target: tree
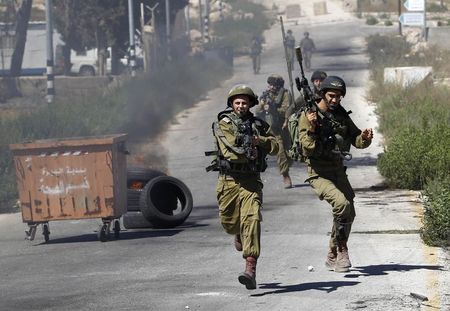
<point>92,24</point>
<point>22,18</point>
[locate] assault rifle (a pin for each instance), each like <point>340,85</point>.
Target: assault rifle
<point>326,120</point>
<point>244,139</point>
<point>302,85</point>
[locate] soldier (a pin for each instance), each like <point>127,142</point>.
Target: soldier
<point>290,48</point>
<point>274,103</point>
<point>316,78</point>
<point>307,45</point>
<point>255,53</point>
<point>326,136</point>
<point>243,142</point>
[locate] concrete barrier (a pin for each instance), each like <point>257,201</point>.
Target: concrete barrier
<point>406,76</point>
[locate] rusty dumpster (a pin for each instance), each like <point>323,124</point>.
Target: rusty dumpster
<point>67,179</point>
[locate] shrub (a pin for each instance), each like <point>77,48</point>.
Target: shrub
<point>388,23</point>
<point>436,220</point>
<point>371,20</point>
<point>416,156</point>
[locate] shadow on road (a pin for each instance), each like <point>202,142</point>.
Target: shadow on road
<point>124,235</point>
<point>322,286</point>
<point>385,269</point>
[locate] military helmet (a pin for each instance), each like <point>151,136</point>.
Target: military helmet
<point>289,31</point>
<point>318,75</point>
<point>333,83</point>
<point>275,80</point>
<point>242,89</point>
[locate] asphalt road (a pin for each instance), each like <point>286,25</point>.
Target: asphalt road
<point>195,267</point>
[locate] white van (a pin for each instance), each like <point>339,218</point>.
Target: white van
<point>85,63</point>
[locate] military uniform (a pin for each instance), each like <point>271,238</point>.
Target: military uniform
<point>276,116</point>
<point>255,53</point>
<point>324,150</point>
<point>290,48</point>
<point>308,46</point>
<point>239,187</point>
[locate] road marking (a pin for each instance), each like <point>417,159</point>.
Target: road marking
<point>214,294</point>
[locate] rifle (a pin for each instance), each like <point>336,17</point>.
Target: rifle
<point>303,85</point>
<point>326,120</point>
<point>244,139</point>
<point>288,62</point>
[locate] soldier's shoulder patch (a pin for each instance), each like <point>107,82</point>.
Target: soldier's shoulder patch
<point>226,119</point>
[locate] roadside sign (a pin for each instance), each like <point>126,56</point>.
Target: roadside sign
<point>415,5</point>
<point>412,19</point>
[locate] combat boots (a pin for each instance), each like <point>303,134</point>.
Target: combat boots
<point>331,258</point>
<point>238,243</point>
<point>248,277</point>
<point>342,259</point>
<point>287,181</point>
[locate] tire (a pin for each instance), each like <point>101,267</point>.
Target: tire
<point>135,220</point>
<point>87,71</point>
<point>166,202</point>
<point>142,176</point>
<point>103,233</point>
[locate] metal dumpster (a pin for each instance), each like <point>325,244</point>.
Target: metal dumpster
<point>76,178</point>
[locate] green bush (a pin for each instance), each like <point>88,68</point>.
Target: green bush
<point>436,220</point>
<point>388,23</point>
<point>140,107</point>
<point>415,156</point>
<point>371,20</point>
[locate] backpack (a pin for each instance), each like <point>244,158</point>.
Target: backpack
<point>295,151</point>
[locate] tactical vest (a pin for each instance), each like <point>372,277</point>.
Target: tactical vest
<point>244,130</point>
<point>334,139</point>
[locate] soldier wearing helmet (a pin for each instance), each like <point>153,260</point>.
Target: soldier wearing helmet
<point>308,47</point>
<point>289,42</point>
<point>274,103</point>
<point>326,136</point>
<point>242,143</point>
<point>316,78</point>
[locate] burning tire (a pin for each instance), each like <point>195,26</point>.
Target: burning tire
<point>166,202</point>
<point>137,178</point>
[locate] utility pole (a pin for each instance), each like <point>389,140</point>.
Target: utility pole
<point>399,14</point>
<point>206,22</point>
<point>131,32</point>
<point>143,35</point>
<point>49,36</point>
<point>200,14</point>
<point>425,32</point>
<point>168,27</point>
